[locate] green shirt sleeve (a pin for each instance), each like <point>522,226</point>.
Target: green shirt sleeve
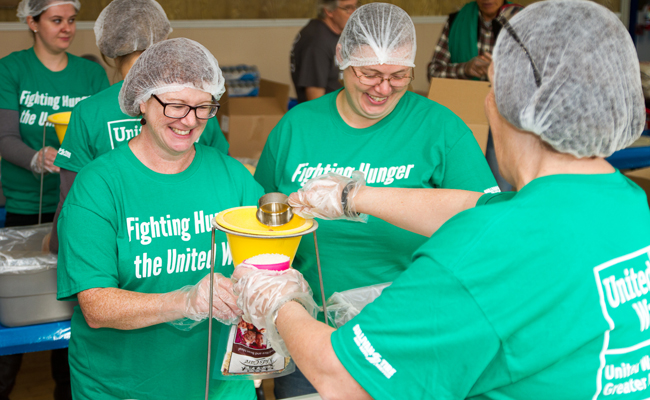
<point>76,142</point>
<point>424,337</point>
<point>213,136</point>
<point>87,229</point>
<point>268,170</point>
<point>493,198</point>
<point>8,86</point>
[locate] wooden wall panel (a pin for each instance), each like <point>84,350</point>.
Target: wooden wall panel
<point>269,9</point>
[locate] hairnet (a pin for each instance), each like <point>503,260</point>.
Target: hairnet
<point>377,33</point>
<point>590,101</point>
<point>32,8</point>
<point>125,26</point>
<point>170,66</point>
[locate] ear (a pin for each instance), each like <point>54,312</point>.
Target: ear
<point>339,58</point>
<point>143,108</point>
<point>33,25</point>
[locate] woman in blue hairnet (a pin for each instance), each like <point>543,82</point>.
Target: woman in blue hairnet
<point>537,294</point>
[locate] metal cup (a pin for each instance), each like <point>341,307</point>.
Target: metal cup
<point>273,209</point>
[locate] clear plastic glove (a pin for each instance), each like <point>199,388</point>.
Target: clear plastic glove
<point>39,164</point>
<point>343,306</point>
<point>194,301</point>
<point>329,196</point>
<point>262,293</point>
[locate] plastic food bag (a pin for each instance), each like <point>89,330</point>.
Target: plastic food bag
<point>21,250</point>
<point>343,306</point>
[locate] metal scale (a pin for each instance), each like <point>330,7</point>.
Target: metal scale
<point>271,227</point>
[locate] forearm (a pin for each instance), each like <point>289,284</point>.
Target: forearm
<point>67,178</point>
<point>12,147</point>
<point>125,310</point>
<point>314,92</point>
<point>421,211</point>
<point>309,343</point>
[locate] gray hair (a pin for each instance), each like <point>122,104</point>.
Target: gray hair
<point>329,5</point>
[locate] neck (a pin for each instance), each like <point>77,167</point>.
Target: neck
<point>330,24</point>
<point>54,61</point>
<point>155,158</point>
<point>349,115</point>
<point>486,17</point>
<point>546,161</point>
<point>127,62</point>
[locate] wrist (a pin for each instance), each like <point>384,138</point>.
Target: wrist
<point>345,201</point>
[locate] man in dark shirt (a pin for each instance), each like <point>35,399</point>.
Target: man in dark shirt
<point>313,67</point>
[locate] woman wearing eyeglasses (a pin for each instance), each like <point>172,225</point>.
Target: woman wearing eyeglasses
<point>395,137</point>
<point>97,125</point>
<point>537,294</point>
<point>135,239</point>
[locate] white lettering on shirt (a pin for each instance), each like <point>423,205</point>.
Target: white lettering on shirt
<point>371,355</point>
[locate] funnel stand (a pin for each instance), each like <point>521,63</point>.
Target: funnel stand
<point>40,200</point>
<point>207,377</point>
<point>320,278</point>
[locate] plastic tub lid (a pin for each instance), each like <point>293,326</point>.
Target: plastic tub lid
<point>243,220</point>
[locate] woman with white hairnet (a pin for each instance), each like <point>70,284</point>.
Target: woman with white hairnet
<point>97,124</point>
<point>135,239</point>
<point>396,138</point>
<point>536,294</point>
<point>35,83</point>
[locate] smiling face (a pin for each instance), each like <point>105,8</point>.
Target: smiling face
<point>55,28</point>
<point>489,8</point>
<point>363,105</point>
<point>170,136</point>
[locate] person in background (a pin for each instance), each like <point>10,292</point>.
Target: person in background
<point>374,124</point>
<point>464,51</point>
<point>536,294</point>
<point>97,124</point>
<point>35,83</point>
<point>313,67</point>
<point>131,221</point>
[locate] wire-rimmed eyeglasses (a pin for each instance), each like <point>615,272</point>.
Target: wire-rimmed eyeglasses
<point>396,81</point>
<point>178,111</point>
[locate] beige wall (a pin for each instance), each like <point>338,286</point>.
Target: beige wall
<point>266,46</point>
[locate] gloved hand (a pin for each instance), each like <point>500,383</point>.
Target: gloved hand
<point>37,165</point>
<point>192,302</point>
<point>262,293</point>
<point>329,196</point>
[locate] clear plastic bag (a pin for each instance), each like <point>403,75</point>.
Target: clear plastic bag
<point>245,354</point>
<point>343,306</point>
<point>21,250</point>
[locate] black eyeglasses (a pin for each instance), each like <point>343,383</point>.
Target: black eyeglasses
<point>504,23</point>
<point>348,9</point>
<point>178,111</point>
<point>396,81</point>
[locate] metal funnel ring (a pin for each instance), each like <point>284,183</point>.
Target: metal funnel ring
<point>273,209</point>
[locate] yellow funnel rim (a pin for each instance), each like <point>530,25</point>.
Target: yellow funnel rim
<point>243,220</point>
<point>62,118</point>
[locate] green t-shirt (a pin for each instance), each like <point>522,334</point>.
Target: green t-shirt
<point>97,125</point>
<point>421,144</point>
<point>125,226</point>
<point>541,295</point>
<point>28,87</point>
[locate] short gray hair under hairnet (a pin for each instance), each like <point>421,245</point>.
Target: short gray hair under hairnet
<point>589,102</point>
<point>377,33</point>
<point>126,26</point>
<point>32,8</point>
<point>170,66</point>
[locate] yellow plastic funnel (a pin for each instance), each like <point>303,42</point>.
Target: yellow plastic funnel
<point>248,237</point>
<point>60,121</point>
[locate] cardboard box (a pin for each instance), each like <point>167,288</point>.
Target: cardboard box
<point>464,98</point>
<point>247,121</point>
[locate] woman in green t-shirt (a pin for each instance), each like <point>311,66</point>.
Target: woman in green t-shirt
<point>135,239</point>
<point>37,82</point>
<point>540,293</point>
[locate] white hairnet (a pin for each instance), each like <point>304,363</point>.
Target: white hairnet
<point>377,33</point>
<point>170,66</point>
<point>32,8</point>
<point>589,102</point>
<point>125,26</point>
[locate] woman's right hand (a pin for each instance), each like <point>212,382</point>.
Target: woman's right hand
<point>37,165</point>
<point>329,196</point>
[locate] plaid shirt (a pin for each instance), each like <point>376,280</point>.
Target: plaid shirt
<point>441,66</point>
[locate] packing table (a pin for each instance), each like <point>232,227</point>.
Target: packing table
<point>25,339</point>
